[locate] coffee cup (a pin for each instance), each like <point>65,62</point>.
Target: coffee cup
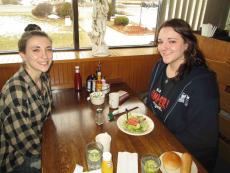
<point>114,100</point>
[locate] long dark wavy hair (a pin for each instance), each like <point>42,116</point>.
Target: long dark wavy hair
<point>193,55</point>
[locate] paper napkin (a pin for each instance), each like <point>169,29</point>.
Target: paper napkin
<point>127,162</point>
<point>79,169</point>
<point>94,171</point>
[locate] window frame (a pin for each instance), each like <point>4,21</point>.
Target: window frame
<point>76,36</point>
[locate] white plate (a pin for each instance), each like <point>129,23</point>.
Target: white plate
<point>123,118</point>
<point>193,169</point>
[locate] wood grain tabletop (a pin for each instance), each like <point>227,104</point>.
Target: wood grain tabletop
<point>72,126</point>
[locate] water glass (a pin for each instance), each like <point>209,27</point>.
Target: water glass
<point>150,164</point>
<point>94,152</point>
<point>99,116</point>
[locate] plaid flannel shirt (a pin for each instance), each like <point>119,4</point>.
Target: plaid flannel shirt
<point>23,110</point>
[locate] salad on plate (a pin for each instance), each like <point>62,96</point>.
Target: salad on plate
<point>135,123</point>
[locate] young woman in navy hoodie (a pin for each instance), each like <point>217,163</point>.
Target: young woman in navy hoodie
<point>183,92</point>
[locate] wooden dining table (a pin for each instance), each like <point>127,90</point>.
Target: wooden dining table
<point>72,126</point>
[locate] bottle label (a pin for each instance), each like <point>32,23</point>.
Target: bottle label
<point>107,167</point>
<point>98,86</point>
<point>77,82</point>
<point>89,85</point>
<point>94,85</point>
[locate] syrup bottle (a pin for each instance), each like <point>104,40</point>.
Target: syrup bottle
<point>77,79</point>
<point>99,82</point>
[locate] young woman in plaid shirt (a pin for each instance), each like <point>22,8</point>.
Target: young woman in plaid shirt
<point>25,104</point>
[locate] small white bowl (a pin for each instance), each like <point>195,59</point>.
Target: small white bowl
<point>97,98</point>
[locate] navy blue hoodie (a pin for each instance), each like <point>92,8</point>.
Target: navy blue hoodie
<point>191,112</point>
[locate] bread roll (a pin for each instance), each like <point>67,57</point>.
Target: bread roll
<point>186,159</point>
<point>171,161</point>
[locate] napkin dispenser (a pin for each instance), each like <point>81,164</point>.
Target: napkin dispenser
<point>123,96</point>
<point>208,30</point>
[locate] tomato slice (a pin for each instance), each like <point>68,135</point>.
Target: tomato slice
<point>132,121</point>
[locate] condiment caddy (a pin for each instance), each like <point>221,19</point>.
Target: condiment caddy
<point>97,82</point>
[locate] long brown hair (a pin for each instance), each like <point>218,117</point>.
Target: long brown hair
<point>193,55</point>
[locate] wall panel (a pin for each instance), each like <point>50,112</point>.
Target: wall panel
<point>6,71</point>
<point>134,70</point>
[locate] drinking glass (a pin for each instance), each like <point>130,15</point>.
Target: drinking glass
<point>94,152</point>
<point>150,164</point>
<point>99,116</point>
<point>98,99</point>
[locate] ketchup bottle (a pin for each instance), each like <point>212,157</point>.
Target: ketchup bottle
<point>77,79</point>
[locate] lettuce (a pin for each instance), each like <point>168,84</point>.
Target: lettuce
<point>141,127</point>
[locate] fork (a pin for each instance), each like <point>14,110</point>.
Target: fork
<point>127,115</point>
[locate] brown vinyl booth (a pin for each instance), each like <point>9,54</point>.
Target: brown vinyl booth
<point>217,54</point>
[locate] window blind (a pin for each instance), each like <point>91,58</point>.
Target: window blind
<point>191,11</point>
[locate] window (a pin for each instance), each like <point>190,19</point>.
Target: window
<point>70,28</point>
<point>51,16</point>
<point>139,31</point>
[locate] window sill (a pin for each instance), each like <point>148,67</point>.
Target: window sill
<point>81,55</point>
